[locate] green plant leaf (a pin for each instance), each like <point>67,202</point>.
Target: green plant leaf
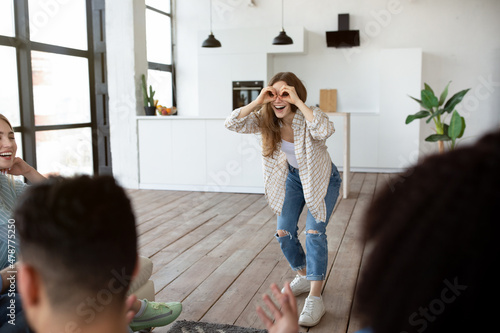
<point>435,114</point>
<point>416,100</point>
<point>151,96</point>
<point>418,115</point>
<point>463,128</point>
<point>437,137</point>
<point>455,127</point>
<point>427,87</point>
<point>429,100</point>
<point>444,94</point>
<point>454,100</point>
<point>445,129</point>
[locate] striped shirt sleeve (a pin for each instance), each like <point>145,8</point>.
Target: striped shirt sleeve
<point>9,191</point>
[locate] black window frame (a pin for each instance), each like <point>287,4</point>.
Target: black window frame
<point>166,67</point>
<point>98,91</point>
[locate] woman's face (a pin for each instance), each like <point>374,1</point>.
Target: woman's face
<point>8,146</point>
<point>281,108</point>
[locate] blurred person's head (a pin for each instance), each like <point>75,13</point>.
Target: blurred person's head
<point>78,252</point>
<point>433,245</point>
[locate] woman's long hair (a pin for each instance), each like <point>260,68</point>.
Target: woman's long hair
<point>2,117</point>
<point>269,124</point>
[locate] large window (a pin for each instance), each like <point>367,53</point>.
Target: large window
<point>53,87</point>
<point>159,36</point>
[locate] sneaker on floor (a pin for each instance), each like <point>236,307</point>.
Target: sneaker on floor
<point>156,314</point>
<point>312,312</point>
<point>299,285</point>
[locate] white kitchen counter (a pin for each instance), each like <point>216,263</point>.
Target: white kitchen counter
<point>199,153</point>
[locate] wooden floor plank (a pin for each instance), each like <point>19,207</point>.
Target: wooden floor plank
<point>156,200</point>
<point>211,288</point>
<point>174,207</point>
<point>230,227</point>
<point>234,300</point>
<point>355,322</point>
<point>174,263</point>
<point>157,238</point>
<point>247,286</point>
<point>248,317</point>
<point>168,230</point>
<point>217,253</point>
<point>339,290</point>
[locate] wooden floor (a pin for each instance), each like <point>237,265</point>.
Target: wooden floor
<point>216,252</point>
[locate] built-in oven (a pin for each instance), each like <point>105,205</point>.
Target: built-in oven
<point>245,91</point>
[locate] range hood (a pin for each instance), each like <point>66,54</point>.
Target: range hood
<point>344,37</point>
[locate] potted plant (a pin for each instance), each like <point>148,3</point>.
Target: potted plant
<point>149,102</point>
<point>437,110</point>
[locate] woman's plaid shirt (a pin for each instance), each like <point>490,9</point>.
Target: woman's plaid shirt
<point>315,165</point>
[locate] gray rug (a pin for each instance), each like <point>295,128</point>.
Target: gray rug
<point>184,326</point>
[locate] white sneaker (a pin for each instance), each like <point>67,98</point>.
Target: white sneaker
<point>312,312</point>
<point>299,285</point>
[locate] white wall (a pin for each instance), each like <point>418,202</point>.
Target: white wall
<point>126,62</point>
<point>457,37</point>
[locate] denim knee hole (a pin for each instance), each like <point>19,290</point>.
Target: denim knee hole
<point>313,232</point>
<point>284,232</point>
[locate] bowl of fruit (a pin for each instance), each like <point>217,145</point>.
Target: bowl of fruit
<point>166,111</point>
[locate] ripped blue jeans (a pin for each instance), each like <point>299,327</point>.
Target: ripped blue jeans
<point>316,259</point>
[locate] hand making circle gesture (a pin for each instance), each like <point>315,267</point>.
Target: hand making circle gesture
<point>267,95</point>
<point>270,94</point>
<point>288,94</point>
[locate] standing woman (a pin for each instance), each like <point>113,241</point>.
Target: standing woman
<point>297,171</point>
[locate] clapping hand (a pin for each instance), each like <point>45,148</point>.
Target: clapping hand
<point>285,319</point>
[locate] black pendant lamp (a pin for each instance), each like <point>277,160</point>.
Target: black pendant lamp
<point>211,41</point>
<point>282,38</point>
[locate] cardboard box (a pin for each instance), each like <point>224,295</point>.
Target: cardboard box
<point>328,100</point>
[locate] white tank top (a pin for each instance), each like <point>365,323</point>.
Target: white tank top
<point>289,149</point>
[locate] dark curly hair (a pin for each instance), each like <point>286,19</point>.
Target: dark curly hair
<point>433,244</point>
